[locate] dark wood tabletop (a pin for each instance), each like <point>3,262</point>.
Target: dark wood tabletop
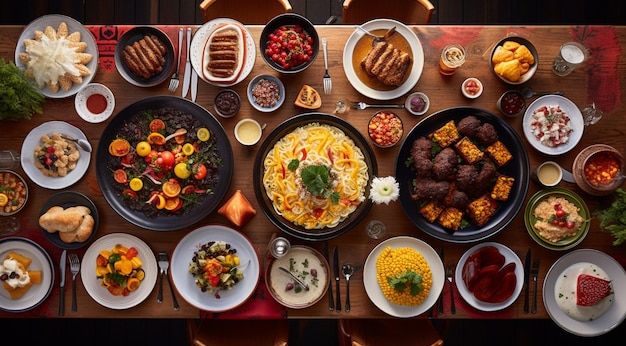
<point>599,81</point>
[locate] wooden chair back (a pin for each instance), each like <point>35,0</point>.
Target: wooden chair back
<point>383,332</point>
<point>416,12</point>
<point>205,332</point>
<point>244,11</point>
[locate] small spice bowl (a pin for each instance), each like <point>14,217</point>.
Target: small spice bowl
<point>598,169</point>
<point>385,129</point>
<point>472,88</point>
<point>417,103</point>
<point>94,103</point>
<point>248,131</point>
<point>266,93</point>
<point>227,103</point>
<point>511,103</point>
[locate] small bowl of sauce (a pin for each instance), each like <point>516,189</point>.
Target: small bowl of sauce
<point>385,129</point>
<point>472,88</point>
<point>598,169</point>
<point>94,103</point>
<point>248,131</point>
<point>227,103</point>
<point>511,103</point>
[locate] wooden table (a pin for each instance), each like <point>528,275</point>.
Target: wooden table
<point>355,245</point>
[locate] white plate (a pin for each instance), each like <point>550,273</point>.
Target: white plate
<point>416,70</point>
<point>40,261</point>
<point>376,294</point>
<point>184,281</point>
<point>611,318</point>
<point>576,121</point>
<point>202,35</point>
<point>80,103</point>
<point>99,293</point>
<point>276,280</point>
<point>509,256</point>
<point>33,139</point>
<point>73,25</point>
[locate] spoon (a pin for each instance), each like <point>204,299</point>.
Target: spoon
<point>178,132</point>
<point>377,38</point>
<point>348,270</point>
<point>528,93</point>
<point>82,143</point>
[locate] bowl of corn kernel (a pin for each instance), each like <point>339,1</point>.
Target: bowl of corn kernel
<point>394,260</point>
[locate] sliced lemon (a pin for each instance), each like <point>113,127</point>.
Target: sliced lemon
<point>188,149</point>
<point>3,199</point>
<point>203,134</point>
<point>136,184</point>
<point>156,138</point>
<point>182,171</point>
<point>143,148</point>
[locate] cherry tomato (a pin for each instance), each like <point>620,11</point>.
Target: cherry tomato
<point>559,213</point>
<point>120,176</point>
<point>131,253</point>
<point>168,159</point>
<point>156,125</point>
<point>199,171</point>
<point>128,193</point>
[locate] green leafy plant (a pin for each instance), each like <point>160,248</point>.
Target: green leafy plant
<point>613,218</point>
<point>316,179</point>
<point>18,98</point>
<point>409,279</point>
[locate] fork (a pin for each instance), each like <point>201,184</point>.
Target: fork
<point>74,268</point>
<point>450,276</point>
<point>164,264</point>
<point>328,83</point>
<point>534,272</point>
<point>175,81</point>
<point>363,105</point>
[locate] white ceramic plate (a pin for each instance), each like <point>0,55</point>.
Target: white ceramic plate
<point>611,318</point>
<point>80,103</point>
<point>40,261</point>
<point>202,35</point>
<point>276,280</point>
<point>576,121</point>
<point>73,25</point>
<point>376,294</point>
<point>509,256</point>
<point>184,281</point>
<point>99,293</point>
<point>33,139</point>
<point>416,70</point>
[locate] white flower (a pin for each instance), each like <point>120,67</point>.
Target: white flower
<point>384,190</point>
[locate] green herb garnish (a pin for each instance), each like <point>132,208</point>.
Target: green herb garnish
<point>316,180</point>
<point>613,218</point>
<point>409,279</point>
<point>18,98</point>
<point>293,164</point>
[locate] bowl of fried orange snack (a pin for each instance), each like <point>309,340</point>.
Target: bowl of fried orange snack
<point>514,60</point>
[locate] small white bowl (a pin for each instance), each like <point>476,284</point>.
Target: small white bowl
<point>407,103</point>
<point>467,93</point>
<point>281,93</point>
<point>102,99</point>
<point>248,131</point>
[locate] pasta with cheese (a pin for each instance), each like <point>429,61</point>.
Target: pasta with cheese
<point>315,144</point>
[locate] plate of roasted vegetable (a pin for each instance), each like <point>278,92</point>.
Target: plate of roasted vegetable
<point>463,174</point>
<point>164,163</point>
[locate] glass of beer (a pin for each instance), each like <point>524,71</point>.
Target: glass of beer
<point>452,57</point>
<point>570,56</point>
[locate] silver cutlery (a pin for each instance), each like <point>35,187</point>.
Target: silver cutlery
<point>62,282</point>
<point>534,272</point>
<point>440,299</point>
<point>175,81</point>
<point>82,143</point>
<point>377,38</point>
<point>328,83</point>
<point>528,93</point>
<point>348,270</point>
<point>363,105</point>
<point>526,280</point>
<point>450,276</point>
<point>337,276</point>
<point>194,82</point>
<point>74,268</point>
<point>164,264</point>
<point>187,78</point>
<point>295,278</point>
<point>331,301</point>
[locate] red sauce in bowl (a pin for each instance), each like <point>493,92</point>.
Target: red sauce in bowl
<point>512,103</point>
<point>601,168</point>
<point>96,103</point>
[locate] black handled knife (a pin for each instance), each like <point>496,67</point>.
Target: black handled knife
<point>337,276</point>
<point>62,282</point>
<point>527,280</point>
<point>440,300</point>
<point>331,301</point>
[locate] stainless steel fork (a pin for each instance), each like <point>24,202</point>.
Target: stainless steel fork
<point>74,268</point>
<point>328,83</point>
<point>363,105</point>
<point>175,81</point>
<point>164,264</point>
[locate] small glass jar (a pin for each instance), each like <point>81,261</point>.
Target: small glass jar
<point>279,247</point>
<point>376,229</point>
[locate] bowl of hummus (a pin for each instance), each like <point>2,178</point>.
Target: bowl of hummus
<point>557,218</point>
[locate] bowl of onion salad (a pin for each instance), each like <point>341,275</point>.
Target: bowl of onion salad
<point>215,267</point>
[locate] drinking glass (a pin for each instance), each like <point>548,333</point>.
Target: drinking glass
<point>452,57</point>
<point>591,114</point>
<point>570,56</point>
<point>9,159</point>
<point>376,229</point>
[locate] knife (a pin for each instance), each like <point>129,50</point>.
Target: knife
<point>62,285</point>
<point>527,280</point>
<point>187,78</point>
<point>194,84</point>
<point>440,300</point>
<point>337,275</point>
<point>331,301</point>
